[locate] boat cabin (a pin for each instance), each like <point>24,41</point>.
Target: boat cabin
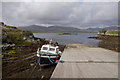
<point>50,49</point>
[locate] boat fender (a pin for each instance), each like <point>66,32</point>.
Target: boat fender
<point>56,61</point>
<point>61,61</point>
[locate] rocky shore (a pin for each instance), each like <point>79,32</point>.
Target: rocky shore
<point>17,48</point>
<point>108,41</point>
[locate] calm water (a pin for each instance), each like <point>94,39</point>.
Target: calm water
<point>66,39</point>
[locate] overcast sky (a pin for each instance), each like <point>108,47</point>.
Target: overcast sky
<point>70,14</point>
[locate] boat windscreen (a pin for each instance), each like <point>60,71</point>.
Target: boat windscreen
<point>52,49</point>
<point>45,48</point>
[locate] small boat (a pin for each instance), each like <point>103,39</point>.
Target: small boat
<point>48,54</point>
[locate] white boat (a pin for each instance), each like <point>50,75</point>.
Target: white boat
<point>48,54</point>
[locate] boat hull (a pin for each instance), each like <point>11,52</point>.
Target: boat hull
<point>47,60</point>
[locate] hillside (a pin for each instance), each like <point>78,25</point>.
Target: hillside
<point>19,50</point>
<point>36,28</point>
<point>13,35</point>
<point>19,41</point>
<point>108,28</point>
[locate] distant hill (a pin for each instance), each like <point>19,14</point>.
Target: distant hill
<point>94,29</point>
<point>36,28</point>
<point>108,28</point>
<point>33,28</point>
<point>112,27</point>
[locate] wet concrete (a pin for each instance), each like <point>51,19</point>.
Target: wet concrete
<point>82,61</point>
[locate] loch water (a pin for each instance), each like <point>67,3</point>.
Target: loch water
<point>81,38</point>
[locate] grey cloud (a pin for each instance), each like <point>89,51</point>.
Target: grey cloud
<point>0,11</point>
<point>74,14</point>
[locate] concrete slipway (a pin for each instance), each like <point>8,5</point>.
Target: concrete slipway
<point>82,61</point>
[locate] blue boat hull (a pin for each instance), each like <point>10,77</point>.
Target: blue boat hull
<point>45,60</point>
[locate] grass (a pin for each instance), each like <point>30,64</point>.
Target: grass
<point>17,35</point>
<point>113,32</point>
<point>9,52</point>
<point>8,26</point>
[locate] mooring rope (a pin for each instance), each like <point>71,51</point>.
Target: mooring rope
<point>34,68</point>
<point>52,61</point>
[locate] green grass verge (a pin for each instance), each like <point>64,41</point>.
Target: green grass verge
<point>113,32</point>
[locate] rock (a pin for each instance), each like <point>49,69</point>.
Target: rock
<point>5,37</point>
<point>1,23</point>
<point>7,46</point>
<point>32,64</point>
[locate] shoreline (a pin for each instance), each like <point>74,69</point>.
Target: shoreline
<point>49,69</point>
<point>110,42</point>
<point>18,50</point>
<point>22,51</point>
<point>24,68</point>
